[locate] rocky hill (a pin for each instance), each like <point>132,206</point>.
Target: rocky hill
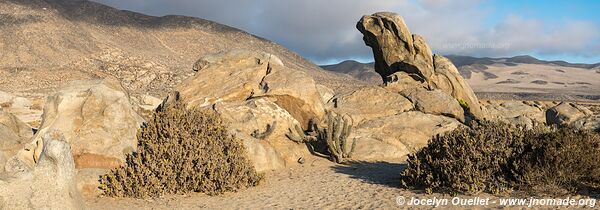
<point>45,43</point>
<point>361,71</point>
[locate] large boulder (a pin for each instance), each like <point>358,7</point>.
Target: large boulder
<point>395,136</point>
<point>566,113</point>
<point>396,50</point>
<point>97,118</point>
<point>241,75</point>
<point>571,114</point>
<point>99,122</point>
<point>516,112</point>
<point>13,132</point>
<point>50,184</point>
<point>370,103</point>
<point>260,98</point>
<point>435,102</point>
<point>262,125</point>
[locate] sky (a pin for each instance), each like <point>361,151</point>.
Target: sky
<point>324,31</point>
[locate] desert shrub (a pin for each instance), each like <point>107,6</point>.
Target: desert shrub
<point>181,151</point>
<point>496,157</point>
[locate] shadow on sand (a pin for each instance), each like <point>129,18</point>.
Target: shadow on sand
<point>382,173</point>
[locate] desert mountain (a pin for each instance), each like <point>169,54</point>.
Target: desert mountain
<point>522,77</point>
<point>45,43</point>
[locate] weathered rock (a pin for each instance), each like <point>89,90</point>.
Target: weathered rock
<point>435,102</point>
<point>252,91</point>
<point>588,123</point>
<point>50,184</point>
<point>13,132</point>
<point>98,120</point>
<point>399,81</point>
<point>370,103</point>
<point>239,75</point>
<point>448,79</point>
<point>395,49</point>
<point>325,92</point>
<point>96,117</point>
<point>148,102</point>
<point>515,112</point>
<point>566,113</point>
<point>10,101</point>
<point>393,137</point>
<point>262,126</point>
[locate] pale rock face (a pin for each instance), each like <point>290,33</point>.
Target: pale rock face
<point>448,79</point>
<point>96,117</point>
<point>393,137</point>
<point>13,102</point>
<point>395,49</point>
<point>572,114</point>
<point>13,132</point>
<point>252,90</point>
<point>370,103</point>
<point>50,184</point>
<point>516,112</point>
<point>241,75</point>
<point>273,151</point>
<point>435,102</point>
<point>98,120</point>
<point>326,93</point>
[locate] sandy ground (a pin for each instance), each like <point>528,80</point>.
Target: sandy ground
<point>318,184</point>
<point>535,78</point>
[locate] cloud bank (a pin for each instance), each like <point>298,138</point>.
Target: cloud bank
<point>324,31</point>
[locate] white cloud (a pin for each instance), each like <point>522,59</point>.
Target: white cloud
<point>325,30</point>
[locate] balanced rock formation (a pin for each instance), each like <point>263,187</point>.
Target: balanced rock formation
<point>260,98</point>
<point>404,58</point>
<point>50,184</point>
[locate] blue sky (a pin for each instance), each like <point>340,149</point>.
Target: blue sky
<point>550,11</point>
<point>324,31</point>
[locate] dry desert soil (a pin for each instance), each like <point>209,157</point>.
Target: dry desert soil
<point>316,184</point>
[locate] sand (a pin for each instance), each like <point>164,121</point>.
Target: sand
<point>317,184</point>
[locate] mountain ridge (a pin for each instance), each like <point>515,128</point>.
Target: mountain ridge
<point>58,41</point>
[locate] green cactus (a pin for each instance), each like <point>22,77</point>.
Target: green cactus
<point>334,136</point>
<point>337,132</point>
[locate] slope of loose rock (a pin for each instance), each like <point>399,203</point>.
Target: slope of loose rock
<point>57,41</point>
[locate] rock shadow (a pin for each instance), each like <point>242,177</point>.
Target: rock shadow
<point>381,173</point>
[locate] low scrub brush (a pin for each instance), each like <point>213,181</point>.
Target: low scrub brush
<point>495,157</point>
<point>181,151</point>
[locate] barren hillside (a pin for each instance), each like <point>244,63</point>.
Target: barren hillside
<point>519,77</point>
<point>44,43</point>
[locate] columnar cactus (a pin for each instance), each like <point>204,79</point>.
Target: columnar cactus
<point>335,136</point>
<point>337,132</point>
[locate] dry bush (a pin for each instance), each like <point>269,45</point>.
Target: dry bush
<point>495,157</point>
<point>182,151</point>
